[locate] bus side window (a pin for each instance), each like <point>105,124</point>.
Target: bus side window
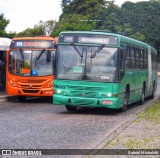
<point>121,63</point>
<point>128,60</point>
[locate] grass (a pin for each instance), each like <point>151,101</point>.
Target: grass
<point>140,143</point>
<point>152,113</point>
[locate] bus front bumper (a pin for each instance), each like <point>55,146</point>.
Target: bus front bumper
<point>30,92</point>
<point>86,102</point>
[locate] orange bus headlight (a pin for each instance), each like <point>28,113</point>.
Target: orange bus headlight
<point>12,82</point>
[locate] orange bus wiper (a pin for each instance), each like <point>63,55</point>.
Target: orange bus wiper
<point>22,55</point>
<point>39,56</point>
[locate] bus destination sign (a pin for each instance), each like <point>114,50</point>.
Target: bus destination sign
<point>88,39</point>
<point>93,40</point>
<point>32,44</point>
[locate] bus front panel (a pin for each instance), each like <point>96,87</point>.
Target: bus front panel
<point>89,94</point>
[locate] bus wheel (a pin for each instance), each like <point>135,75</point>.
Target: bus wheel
<point>152,96</point>
<point>70,108</point>
<point>142,96</point>
<point>21,98</point>
<point>125,103</point>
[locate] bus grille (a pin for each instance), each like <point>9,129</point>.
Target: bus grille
<point>92,88</point>
<point>75,87</point>
<point>30,91</point>
<point>28,86</point>
<point>84,88</point>
<point>31,81</point>
<point>84,94</point>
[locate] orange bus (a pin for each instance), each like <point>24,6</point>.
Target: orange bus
<point>29,67</point>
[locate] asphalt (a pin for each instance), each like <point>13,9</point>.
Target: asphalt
<point>5,97</point>
<point>124,133</point>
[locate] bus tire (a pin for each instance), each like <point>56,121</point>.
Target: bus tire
<point>22,98</point>
<point>70,108</point>
<point>152,96</point>
<point>125,103</point>
<point>142,96</point>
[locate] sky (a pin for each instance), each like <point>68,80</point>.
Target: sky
<point>25,14</point>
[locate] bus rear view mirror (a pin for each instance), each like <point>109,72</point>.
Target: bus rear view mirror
<point>48,56</point>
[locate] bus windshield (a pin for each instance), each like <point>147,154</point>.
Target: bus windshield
<point>93,63</point>
<point>30,62</point>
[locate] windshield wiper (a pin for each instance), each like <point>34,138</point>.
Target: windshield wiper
<point>22,55</point>
<point>39,56</point>
<point>97,51</point>
<point>79,53</point>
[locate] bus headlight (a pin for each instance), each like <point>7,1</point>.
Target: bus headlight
<point>58,91</point>
<point>109,94</point>
<point>12,83</point>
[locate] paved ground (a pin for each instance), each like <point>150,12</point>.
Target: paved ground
<point>137,134</point>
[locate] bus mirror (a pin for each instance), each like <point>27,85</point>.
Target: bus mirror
<point>55,45</point>
<point>48,56</point>
<point>53,56</point>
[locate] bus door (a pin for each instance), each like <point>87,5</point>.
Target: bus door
<point>2,69</point>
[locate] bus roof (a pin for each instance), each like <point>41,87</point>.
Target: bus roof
<point>4,43</point>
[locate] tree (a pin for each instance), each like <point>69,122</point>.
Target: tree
<point>31,32</point>
<point>48,26</point>
<point>109,18</point>
<point>139,20</point>
<point>73,22</point>
<point>40,29</point>
<point>79,15</point>
<point>3,25</point>
<point>144,18</point>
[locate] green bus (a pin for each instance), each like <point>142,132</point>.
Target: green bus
<point>100,69</point>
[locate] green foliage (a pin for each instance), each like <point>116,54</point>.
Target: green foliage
<point>79,15</point>
<point>40,29</point>
<point>73,22</point>
<point>110,17</point>
<point>3,25</point>
<point>144,20</point>
<point>29,32</point>
<point>152,113</point>
<point>83,7</point>
<point>139,20</point>
<point>3,22</point>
